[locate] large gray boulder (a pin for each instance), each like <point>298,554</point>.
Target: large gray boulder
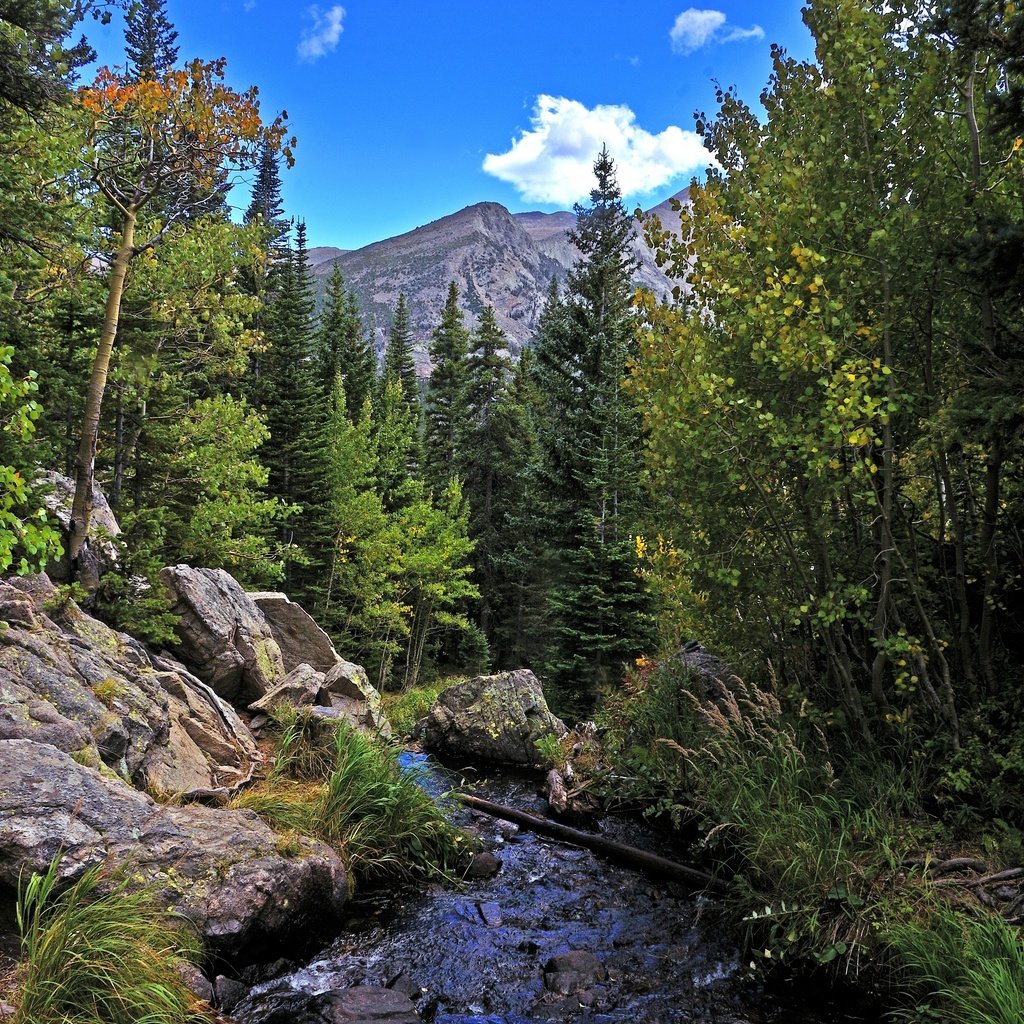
<point>224,637</point>
<point>345,686</point>
<point>491,718</point>
<point>343,695</point>
<point>303,687</point>
<point>350,693</point>
<point>96,694</point>
<point>224,870</point>
<point>301,640</point>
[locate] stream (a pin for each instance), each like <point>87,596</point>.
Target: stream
<point>477,954</point>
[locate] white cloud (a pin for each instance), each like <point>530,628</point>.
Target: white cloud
<point>322,37</point>
<point>553,161</point>
<point>696,28</point>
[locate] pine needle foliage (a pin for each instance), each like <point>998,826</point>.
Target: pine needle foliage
<point>100,952</point>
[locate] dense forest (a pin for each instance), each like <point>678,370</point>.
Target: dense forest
<point>809,461</point>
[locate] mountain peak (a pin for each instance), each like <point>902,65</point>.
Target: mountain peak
<point>495,258</point>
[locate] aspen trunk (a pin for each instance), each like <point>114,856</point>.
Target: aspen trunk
<point>85,463</point>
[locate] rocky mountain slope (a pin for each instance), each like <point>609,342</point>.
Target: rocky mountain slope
<point>495,257</point>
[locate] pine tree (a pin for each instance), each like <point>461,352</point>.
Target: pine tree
<point>296,412</point>
<point>445,417</point>
<point>484,456</point>
<point>343,348</point>
<point>265,205</point>
<point>149,39</point>
<point>591,446</point>
<point>398,361</point>
<point>517,586</point>
<point>399,373</point>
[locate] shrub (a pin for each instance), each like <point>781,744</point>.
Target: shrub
<point>101,952</point>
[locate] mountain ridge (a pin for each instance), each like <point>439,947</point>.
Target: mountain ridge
<point>496,258</point>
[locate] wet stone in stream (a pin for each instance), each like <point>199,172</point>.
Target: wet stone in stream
<point>556,935</point>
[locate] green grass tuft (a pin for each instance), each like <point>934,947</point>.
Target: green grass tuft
<point>405,709</point>
<point>966,969</point>
<point>100,952</point>
<point>342,787</point>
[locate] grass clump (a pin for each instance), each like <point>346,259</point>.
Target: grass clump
<point>100,952</point>
<point>964,969</point>
<point>812,853</point>
<point>338,785</point>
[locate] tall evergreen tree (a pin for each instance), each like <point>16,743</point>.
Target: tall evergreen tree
<point>447,393</point>
<point>592,446</point>
<point>296,412</point>
<point>399,372</point>
<point>343,348</point>
<point>398,362</point>
<point>483,458</point>
<point>149,39</point>
<point>265,205</point>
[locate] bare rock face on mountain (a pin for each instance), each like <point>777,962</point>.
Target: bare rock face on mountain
<point>495,258</point>
<point>225,638</point>
<point>223,870</point>
<point>69,680</point>
<point>493,718</point>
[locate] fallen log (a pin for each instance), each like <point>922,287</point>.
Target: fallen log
<point>630,856</point>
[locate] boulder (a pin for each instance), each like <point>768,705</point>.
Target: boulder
<point>301,640</point>
<point>100,551</point>
<point>493,718</point>
<point>301,688</point>
<point>363,1004</point>
<point>574,971</point>
<point>71,681</point>
<point>224,637</point>
<point>350,693</point>
<point>224,870</point>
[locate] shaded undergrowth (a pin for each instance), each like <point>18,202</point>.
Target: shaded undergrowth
<point>824,850</point>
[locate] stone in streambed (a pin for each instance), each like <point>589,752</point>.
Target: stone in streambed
<point>491,718</point>
<point>571,972</point>
<point>483,865</point>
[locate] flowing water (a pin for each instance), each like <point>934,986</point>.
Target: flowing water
<point>476,954</point>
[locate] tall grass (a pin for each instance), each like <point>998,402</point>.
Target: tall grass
<point>101,952</point>
<point>811,850</point>
<point>342,787</point>
<point>969,970</point>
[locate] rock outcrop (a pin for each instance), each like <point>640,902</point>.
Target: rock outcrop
<point>224,637</point>
<point>224,870</point>
<point>343,695</point>
<point>96,694</point>
<point>493,718</point>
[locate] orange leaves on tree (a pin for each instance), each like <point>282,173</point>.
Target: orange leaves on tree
<point>185,123</point>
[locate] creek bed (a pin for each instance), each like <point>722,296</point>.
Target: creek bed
<point>476,954</point>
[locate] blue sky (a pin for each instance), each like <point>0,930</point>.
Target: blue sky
<point>407,110</point>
